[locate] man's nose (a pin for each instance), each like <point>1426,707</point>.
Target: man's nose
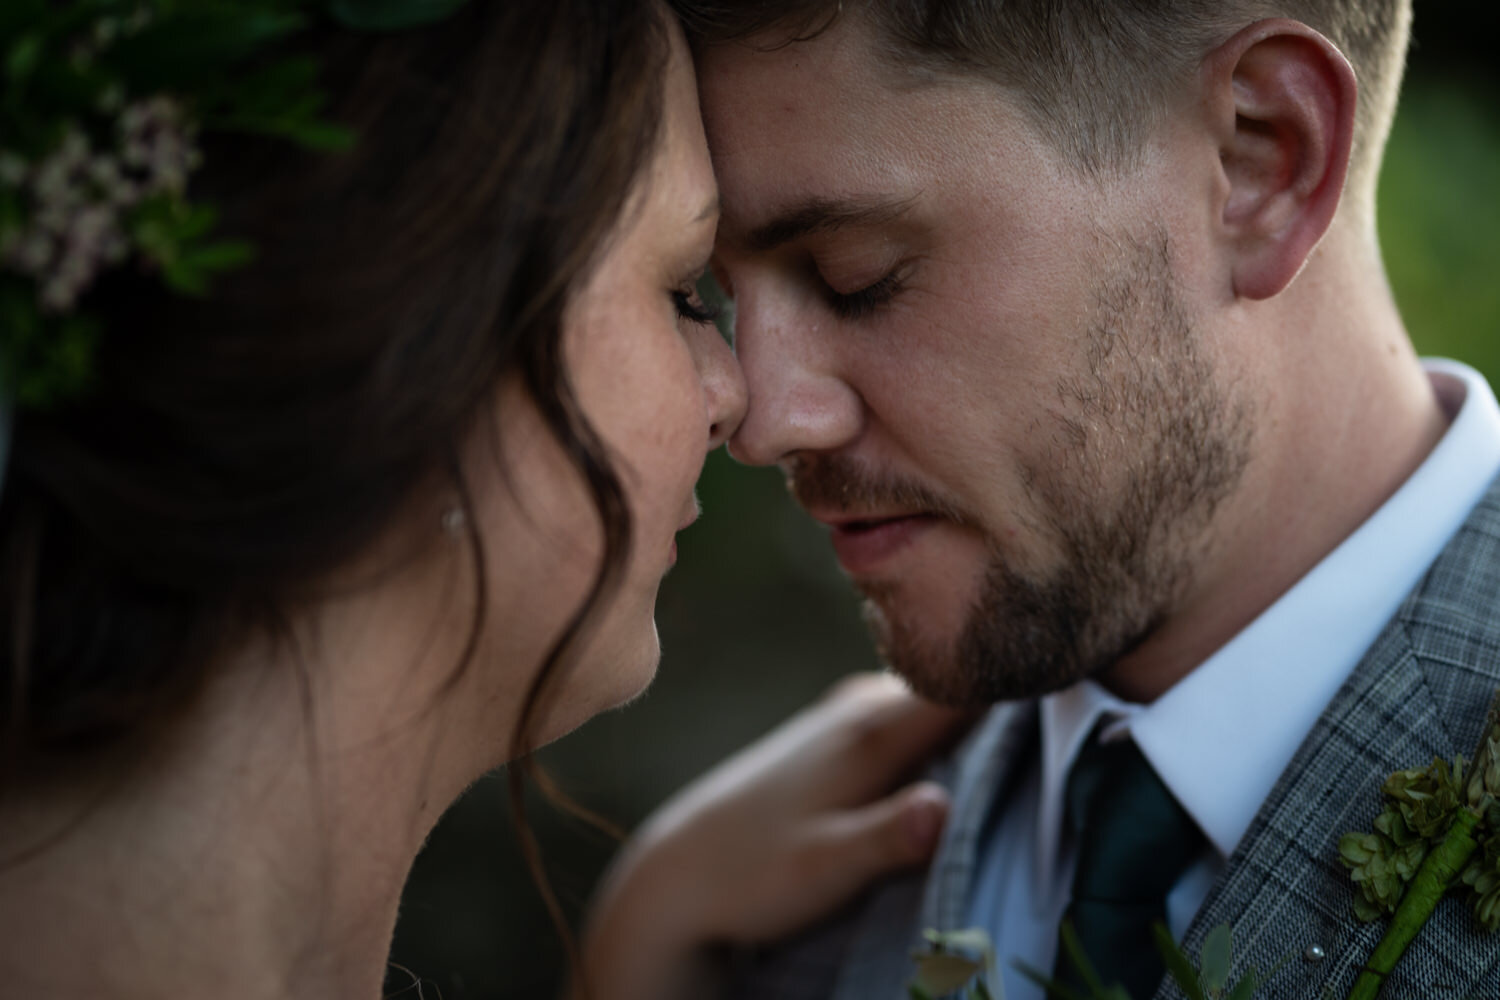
<point>800,399</point>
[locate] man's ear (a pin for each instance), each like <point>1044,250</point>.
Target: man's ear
<point>1282,102</point>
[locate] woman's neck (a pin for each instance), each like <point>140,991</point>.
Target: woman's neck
<point>258,850</point>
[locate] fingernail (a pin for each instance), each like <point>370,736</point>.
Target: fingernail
<point>925,814</point>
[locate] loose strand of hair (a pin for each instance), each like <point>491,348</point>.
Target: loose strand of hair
<point>585,451</point>
<point>559,798</point>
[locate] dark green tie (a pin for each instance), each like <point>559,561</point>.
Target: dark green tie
<point>1134,842</point>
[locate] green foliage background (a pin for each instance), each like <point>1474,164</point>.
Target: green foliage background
<point>756,620</point>
<point>1440,219</point>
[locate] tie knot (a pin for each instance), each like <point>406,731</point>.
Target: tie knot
<point>1134,839</point>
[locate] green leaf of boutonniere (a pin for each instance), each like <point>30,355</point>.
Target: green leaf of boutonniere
<point>1210,981</point>
<point>1245,988</point>
<point>1214,968</point>
<point>1179,966</point>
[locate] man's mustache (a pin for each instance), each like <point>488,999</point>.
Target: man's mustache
<point>844,484</point>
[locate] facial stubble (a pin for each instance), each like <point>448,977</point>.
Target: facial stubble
<point>1126,533</point>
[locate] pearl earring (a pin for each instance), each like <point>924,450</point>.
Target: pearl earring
<point>454,519</point>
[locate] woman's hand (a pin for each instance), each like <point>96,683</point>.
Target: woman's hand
<point>774,838</point>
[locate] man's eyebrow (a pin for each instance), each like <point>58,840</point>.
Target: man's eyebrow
<point>824,215</point>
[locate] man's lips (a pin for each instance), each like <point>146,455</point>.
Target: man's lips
<point>862,545</point>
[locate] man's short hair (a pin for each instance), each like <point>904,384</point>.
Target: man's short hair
<point>1092,75</point>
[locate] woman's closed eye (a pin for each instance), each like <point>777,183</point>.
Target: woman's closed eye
<point>691,307</point>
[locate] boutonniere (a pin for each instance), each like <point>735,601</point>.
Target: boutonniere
<point>1439,832</point>
<point>954,962</point>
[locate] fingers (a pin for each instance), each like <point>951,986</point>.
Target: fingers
<point>900,831</point>
<point>795,825</point>
<point>913,827</point>
<point>887,732</point>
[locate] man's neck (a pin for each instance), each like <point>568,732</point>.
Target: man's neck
<point>1349,416</point>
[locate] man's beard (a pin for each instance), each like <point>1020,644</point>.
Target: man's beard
<point>1126,531</point>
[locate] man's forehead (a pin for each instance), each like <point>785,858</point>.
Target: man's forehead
<point>809,138</point>
<point>804,153</point>
<point>771,88</point>
<point>795,218</point>
<point>847,43</point>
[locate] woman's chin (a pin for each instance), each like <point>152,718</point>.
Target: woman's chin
<point>613,676</point>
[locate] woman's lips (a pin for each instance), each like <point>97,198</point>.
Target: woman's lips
<point>690,514</point>
<point>862,546</point>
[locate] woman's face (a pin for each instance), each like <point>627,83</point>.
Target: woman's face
<point>660,387</point>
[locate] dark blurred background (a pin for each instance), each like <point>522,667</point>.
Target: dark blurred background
<point>756,620</point>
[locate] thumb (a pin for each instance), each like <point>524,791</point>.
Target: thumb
<point>899,831</point>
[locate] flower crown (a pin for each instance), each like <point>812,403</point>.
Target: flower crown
<point>102,107</point>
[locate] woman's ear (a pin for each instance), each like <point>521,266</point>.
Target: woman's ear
<point>1282,103</point>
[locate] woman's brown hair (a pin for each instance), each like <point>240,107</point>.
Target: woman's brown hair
<point>230,451</point>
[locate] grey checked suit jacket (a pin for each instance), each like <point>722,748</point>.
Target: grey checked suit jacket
<point>1421,691</point>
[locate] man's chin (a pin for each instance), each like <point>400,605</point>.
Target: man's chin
<point>928,665</point>
<point>989,658</point>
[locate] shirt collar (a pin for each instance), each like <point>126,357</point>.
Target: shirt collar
<point>1221,736</point>
<point>1067,719</point>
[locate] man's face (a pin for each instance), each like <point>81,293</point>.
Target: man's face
<point>977,366</point>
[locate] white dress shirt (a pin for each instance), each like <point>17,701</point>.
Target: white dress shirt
<point>1221,737</point>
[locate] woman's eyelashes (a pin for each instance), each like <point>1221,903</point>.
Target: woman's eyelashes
<point>865,301</point>
<point>691,307</point>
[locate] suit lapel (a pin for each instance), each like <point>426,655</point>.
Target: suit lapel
<point>878,962</point>
<point>1421,691</point>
